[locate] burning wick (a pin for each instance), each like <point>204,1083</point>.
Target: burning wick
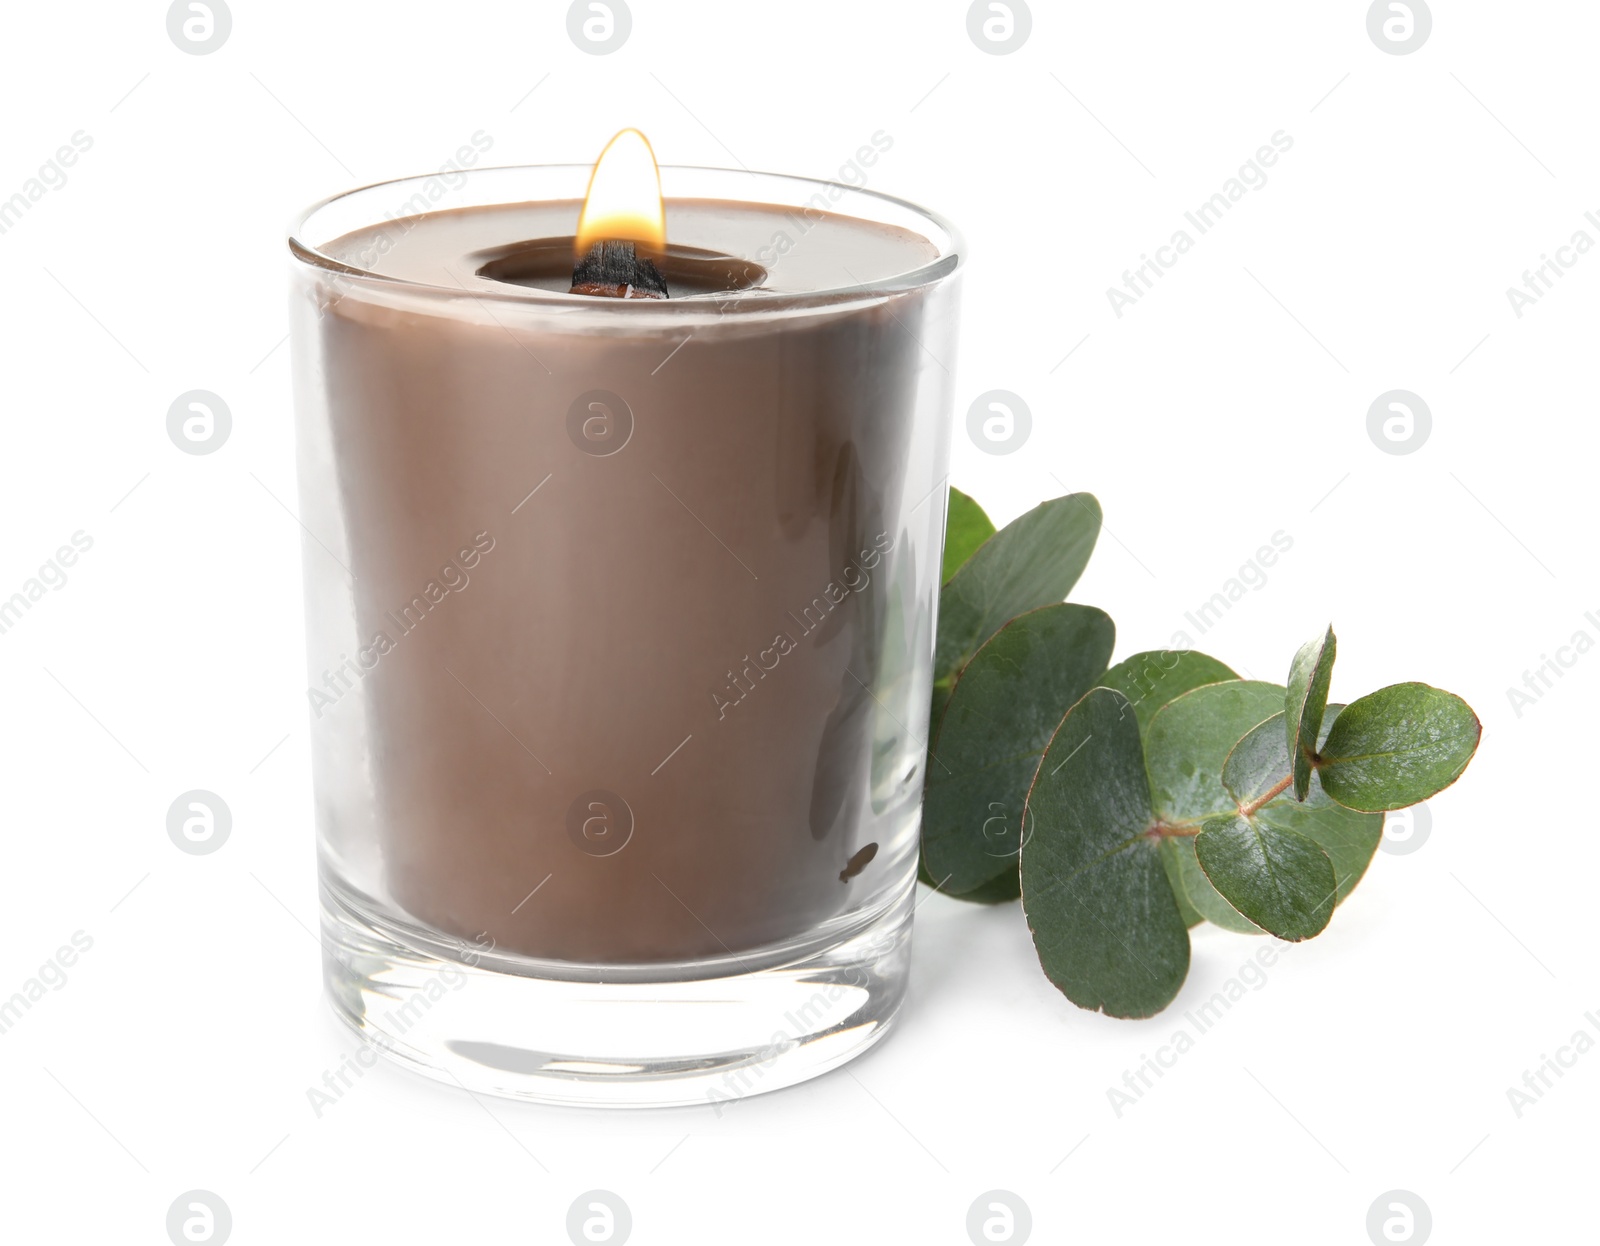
<point>615,270</point>
<point>622,215</point>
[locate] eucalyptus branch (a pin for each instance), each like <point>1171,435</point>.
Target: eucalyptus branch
<point>1117,771</point>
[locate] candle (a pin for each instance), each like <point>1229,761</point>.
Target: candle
<point>620,613</point>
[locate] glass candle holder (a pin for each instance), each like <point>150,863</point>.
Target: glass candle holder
<point>620,626</point>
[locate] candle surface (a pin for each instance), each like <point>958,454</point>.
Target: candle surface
<point>626,661</point>
<point>800,250</point>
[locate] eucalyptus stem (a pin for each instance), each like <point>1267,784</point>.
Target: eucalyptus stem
<point>1249,810</point>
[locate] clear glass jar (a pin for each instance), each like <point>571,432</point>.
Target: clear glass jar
<point>620,633</point>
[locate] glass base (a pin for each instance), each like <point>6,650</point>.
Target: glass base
<point>612,1036</point>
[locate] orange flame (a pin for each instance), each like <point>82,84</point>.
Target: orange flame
<point>623,203</point>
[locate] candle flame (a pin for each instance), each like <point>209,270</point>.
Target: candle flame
<point>623,203</point>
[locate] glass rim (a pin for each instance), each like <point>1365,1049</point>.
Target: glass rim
<point>944,236</point>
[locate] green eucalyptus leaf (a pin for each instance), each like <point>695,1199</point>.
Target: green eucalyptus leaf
<point>1258,763</point>
<point>1001,714</point>
<point>1194,889</point>
<point>1189,741</point>
<point>1104,918</point>
<point>1186,744</point>
<point>940,699</point>
<point>965,528</point>
<point>1156,677</point>
<point>997,890</point>
<point>1305,702</point>
<point>1192,916</point>
<point>1281,880</point>
<point>1397,746</point>
<point>1001,889</point>
<point>1348,837</point>
<point>1033,561</point>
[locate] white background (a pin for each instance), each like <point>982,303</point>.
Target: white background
<point>1230,403</point>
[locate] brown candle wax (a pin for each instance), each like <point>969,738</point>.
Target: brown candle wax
<point>639,605</point>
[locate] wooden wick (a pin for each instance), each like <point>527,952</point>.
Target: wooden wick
<point>615,270</point>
